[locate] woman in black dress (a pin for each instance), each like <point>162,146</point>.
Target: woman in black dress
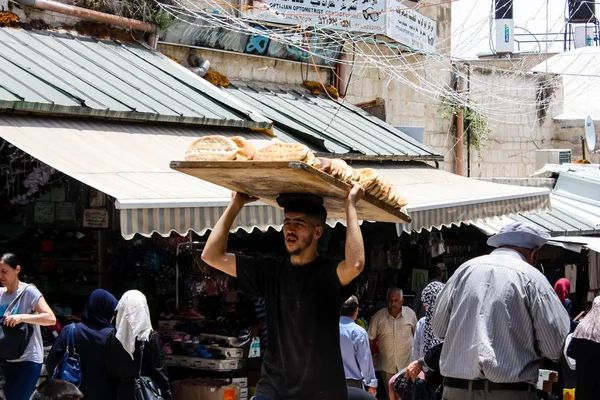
<point>135,344</point>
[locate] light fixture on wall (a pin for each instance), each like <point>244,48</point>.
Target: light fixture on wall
<point>199,65</point>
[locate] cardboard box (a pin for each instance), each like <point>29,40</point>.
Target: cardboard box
<point>171,360</point>
<point>241,382</point>
<point>229,352</point>
<point>224,365</point>
<point>204,389</point>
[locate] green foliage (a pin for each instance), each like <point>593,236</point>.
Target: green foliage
<point>161,19</point>
<point>476,126</point>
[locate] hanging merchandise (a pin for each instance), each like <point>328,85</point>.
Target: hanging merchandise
<point>394,255</point>
<point>436,244</point>
<point>254,348</point>
<point>571,275</point>
<point>594,269</point>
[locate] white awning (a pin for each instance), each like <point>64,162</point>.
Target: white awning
<point>130,162</point>
<point>437,198</point>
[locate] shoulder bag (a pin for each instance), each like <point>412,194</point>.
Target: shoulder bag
<point>69,367</point>
<point>14,340</point>
<point>145,388</point>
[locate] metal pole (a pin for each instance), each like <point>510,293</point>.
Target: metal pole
<point>460,128</point>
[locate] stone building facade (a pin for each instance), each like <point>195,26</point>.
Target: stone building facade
<point>516,129</point>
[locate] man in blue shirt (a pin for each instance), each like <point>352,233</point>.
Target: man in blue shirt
<point>356,353</point>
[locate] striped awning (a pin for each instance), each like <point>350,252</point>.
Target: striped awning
<point>130,162</point>
<point>164,221</point>
<point>430,218</point>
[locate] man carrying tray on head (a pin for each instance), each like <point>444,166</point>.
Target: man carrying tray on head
<point>303,360</point>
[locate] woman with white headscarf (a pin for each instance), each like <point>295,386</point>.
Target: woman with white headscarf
<point>585,350</point>
<point>133,344</point>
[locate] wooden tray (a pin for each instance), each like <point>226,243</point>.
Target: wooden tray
<point>267,179</point>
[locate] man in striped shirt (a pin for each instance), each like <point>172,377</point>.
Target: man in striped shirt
<point>498,317</point>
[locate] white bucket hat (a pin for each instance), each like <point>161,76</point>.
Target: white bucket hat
<point>519,234</point>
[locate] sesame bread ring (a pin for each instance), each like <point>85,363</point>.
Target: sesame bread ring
<point>282,152</point>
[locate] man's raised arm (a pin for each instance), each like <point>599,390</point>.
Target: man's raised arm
<point>354,261</point>
<point>214,253</point>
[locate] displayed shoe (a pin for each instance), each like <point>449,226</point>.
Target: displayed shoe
<point>190,313</point>
<point>187,339</point>
<point>195,340</point>
<point>167,349</point>
<point>203,352</point>
<point>176,336</point>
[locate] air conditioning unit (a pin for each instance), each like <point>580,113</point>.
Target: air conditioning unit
<point>552,156</point>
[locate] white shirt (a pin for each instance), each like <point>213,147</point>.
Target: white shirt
<point>498,316</point>
<point>395,336</point>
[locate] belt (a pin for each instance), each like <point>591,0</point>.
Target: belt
<point>485,385</point>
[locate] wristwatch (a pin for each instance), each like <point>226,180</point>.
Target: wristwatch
<point>424,366</point>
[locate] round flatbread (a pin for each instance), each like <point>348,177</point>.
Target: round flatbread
<point>325,164</point>
<point>246,150</point>
<point>367,177</point>
<point>212,148</point>
<point>310,156</point>
<point>402,202</point>
<point>282,152</point>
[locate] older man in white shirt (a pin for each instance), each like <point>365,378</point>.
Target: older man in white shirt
<point>394,329</point>
<point>498,317</point>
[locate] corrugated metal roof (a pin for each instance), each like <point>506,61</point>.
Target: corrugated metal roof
<point>52,72</point>
<point>338,127</point>
<point>575,202</point>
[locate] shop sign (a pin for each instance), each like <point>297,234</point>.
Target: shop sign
<point>95,218</point>
<point>411,28</point>
<point>363,16</point>
<point>43,212</point>
<point>400,23</point>
<point>420,277</point>
<point>66,212</point>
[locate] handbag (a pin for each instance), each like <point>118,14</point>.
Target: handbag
<point>14,340</point>
<point>144,387</point>
<point>69,367</point>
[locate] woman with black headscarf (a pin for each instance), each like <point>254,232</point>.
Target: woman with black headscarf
<point>432,347</point>
<point>90,343</point>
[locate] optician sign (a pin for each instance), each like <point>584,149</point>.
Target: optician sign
<point>381,17</point>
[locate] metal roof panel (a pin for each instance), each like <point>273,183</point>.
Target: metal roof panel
<point>54,72</point>
<point>344,129</point>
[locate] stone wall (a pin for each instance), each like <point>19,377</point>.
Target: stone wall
<point>509,100</point>
<point>566,135</point>
<point>404,105</point>
<point>509,149</point>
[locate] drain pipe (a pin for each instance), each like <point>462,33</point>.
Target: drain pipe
<point>88,15</point>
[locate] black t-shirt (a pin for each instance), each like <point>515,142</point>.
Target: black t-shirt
<point>303,360</point>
